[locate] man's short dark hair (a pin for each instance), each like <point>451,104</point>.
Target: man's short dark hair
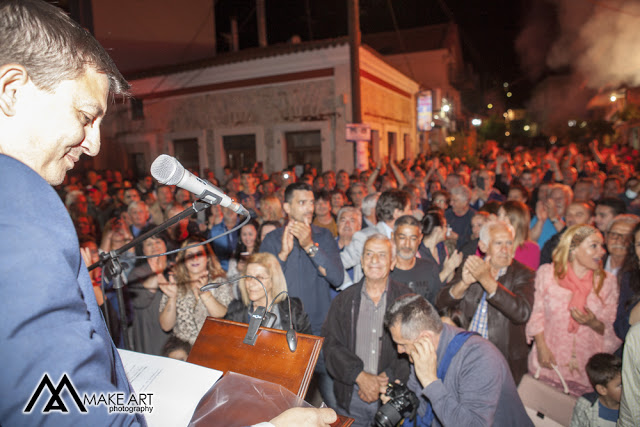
<point>415,315</point>
<point>389,201</point>
<point>323,195</point>
<point>296,186</point>
<point>51,46</point>
<point>407,220</point>
<point>602,368</point>
<point>614,203</point>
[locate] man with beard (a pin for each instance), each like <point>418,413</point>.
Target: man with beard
<point>421,276</point>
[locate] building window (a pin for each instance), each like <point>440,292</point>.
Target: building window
<point>137,109</point>
<point>186,151</point>
<point>304,147</point>
<point>408,149</point>
<point>240,150</point>
<point>392,141</point>
<point>138,165</point>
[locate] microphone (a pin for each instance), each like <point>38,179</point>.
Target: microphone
<point>292,338</point>
<point>168,170</point>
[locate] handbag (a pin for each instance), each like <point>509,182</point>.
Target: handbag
<point>546,405</point>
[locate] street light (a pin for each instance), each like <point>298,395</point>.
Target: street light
<point>476,122</point>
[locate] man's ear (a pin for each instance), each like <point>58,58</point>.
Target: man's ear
<point>286,207</point>
<point>483,247</point>
<point>427,334</point>
<point>12,77</point>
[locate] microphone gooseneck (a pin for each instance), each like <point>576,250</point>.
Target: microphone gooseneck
<point>292,338</point>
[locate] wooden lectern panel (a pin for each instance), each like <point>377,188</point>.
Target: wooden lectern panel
<point>219,346</point>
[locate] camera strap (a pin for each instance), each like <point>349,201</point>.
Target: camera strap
<point>452,349</point>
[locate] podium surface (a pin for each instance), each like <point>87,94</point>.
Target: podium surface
<point>219,346</point>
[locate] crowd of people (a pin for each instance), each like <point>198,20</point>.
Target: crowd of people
<point>533,250</point>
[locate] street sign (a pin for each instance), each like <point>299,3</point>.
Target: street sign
<point>358,132</point>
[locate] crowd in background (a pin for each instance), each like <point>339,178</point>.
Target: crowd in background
<point>572,249</point>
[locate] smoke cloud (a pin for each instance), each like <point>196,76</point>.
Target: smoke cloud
<point>595,38</point>
<point>592,43</point>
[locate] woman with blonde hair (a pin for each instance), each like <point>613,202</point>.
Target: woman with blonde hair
<point>573,311</point>
<point>517,214</point>
<point>266,268</point>
<point>184,307</point>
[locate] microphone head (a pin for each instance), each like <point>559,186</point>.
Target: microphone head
<point>292,340</point>
<point>167,170</point>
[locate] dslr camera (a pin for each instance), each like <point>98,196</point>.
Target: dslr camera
<point>403,403</point>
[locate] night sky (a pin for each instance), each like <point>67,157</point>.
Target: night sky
<point>488,28</point>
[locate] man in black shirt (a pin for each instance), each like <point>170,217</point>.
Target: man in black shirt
<point>421,276</point>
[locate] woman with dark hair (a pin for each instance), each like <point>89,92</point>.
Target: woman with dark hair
<point>145,290</point>
<point>248,243</point>
<point>573,311</point>
<point>629,280</point>
<point>432,248</point>
<point>440,199</point>
<point>184,307</point>
<point>266,268</point>
<point>517,215</point>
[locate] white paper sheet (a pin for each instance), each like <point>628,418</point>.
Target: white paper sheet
<point>177,386</point>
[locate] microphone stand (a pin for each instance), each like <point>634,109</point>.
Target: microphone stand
<point>111,263</point>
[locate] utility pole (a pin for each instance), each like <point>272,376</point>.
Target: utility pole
<point>354,46</point>
<point>360,133</point>
<point>262,22</point>
<point>213,22</point>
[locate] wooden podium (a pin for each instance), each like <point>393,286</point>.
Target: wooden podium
<point>219,346</point>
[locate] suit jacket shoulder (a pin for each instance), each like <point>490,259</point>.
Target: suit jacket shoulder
<point>49,318</point>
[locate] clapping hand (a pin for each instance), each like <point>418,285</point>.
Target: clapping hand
<point>170,288</point>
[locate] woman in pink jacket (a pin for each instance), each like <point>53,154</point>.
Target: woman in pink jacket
<point>573,311</point>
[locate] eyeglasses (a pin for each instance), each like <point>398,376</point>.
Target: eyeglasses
<point>615,236</point>
<point>262,278</point>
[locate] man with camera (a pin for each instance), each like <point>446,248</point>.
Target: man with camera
<point>459,377</point>
<point>358,350</point>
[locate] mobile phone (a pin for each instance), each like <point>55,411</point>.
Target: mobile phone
<point>480,182</point>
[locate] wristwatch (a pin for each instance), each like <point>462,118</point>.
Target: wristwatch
<point>313,250</point>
